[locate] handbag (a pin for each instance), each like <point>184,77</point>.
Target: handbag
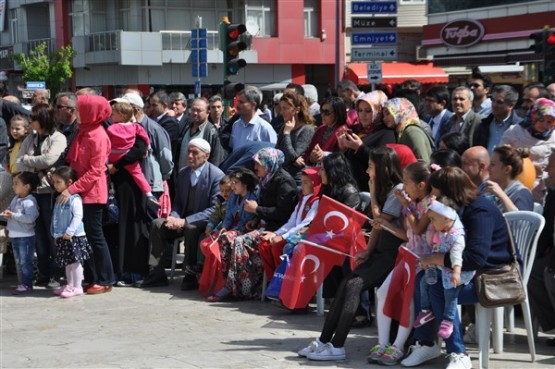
<point>274,287</point>
<point>503,286</point>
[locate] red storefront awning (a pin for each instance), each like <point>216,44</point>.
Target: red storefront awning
<point>398,73</point>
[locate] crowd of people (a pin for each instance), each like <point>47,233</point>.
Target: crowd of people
<point>433,170</point>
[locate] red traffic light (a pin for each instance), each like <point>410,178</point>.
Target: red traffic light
<point>233,46</point>
<point>235,30</point>
<point>551,39</point>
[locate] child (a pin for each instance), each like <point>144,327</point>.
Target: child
<point>275,244</point>
<point>123,133</point>
<point>22,214</point>
<point>72,247</point>
<point>448,237</point>
<point>19,129</point>
<point>415,199</point>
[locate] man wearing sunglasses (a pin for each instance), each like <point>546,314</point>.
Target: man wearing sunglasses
<point>67,117</point>
<point>481,84</point>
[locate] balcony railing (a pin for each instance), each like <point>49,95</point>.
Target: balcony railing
<point>32,44</point>
<point>103,41</point>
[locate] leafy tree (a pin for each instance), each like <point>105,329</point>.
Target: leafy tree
<point>54,69</point>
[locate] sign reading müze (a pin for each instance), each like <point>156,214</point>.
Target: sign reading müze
<point>462,33</point>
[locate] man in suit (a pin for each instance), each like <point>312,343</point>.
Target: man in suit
<point>159,103</point>
<point>178,104</point>
<point>492,128</point>
<point>196,191</point>
<point>464,120</point>
<point>436,102</point>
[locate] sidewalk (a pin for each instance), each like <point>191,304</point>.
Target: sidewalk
<point>169,328</point>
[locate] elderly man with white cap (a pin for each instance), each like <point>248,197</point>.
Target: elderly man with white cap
<point>196,191</point>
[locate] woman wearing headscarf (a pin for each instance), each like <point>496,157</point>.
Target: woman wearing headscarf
<point>368,134</point>
<point>241,262</point>
<point>401,115</point>
<point>535,132</point>
<point>88,155</point>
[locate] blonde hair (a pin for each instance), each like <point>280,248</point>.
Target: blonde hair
<point>124,109</point>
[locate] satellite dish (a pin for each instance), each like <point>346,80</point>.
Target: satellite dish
<point>252,27</point>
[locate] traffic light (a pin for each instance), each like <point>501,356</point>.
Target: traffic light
<point>229,90</point>
<point>539,41</point>
<point>232,47</point>
<point>549,57</point>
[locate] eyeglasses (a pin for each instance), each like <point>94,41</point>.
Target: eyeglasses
<point>326,112</point>
<point>60,107</point>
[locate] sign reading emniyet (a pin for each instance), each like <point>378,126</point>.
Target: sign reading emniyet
<point>462,33</point>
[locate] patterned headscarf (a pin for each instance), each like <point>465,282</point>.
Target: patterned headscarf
<point>376,100</point>
<point>540,120</point>
<point>271,159</point>
<point>404,113</point>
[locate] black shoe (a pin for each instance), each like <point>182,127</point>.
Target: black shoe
<point>42,281</point>
<point>550,342</point>
<point>153,279</point>
<point>189,283</point>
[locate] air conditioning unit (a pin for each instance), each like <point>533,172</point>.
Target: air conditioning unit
<point>422,54</point>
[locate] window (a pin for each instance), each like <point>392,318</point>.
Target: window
<point>124,15</point>
<point>261,12</point>
<point>79,17</point>
<point>181,15</point>
<point>311,18</point>
<point>14,27</point>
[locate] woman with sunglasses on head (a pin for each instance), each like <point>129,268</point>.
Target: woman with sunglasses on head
<point>324,141</point>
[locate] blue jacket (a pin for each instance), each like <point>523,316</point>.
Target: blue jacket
<point>25,212</point>
<point>68,218</point>
<point>235,208</point>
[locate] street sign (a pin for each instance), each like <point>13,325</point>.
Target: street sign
<point>197,88</point>
<point>374,7</point>
<point>35,85</point>
<point>375,22</point>
<point>374,38</point>
<point>374,72</point>
<point>28,94</point>
<point>374,53</point>
<point>199,53</point>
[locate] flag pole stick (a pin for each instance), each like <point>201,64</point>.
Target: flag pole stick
<point>325,248</point>
<point>381,225</point>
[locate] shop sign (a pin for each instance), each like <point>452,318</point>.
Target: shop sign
<point>462,33</point>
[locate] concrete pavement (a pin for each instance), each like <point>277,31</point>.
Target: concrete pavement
<point>169,328</point>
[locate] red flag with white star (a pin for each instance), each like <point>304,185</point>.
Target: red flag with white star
<point>309,266</point>
<point>401,289</point>
<point>336,225</point>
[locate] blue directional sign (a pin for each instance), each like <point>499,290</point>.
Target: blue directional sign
<point>35,85</point>
<point>374,7</point>
<point>374,38</point>
<point>374,53</point>
<point>199,53</point>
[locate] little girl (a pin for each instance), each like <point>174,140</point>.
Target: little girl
<point>22,214</point>
<point>448,237</point>
<point>72,247</point>
<point>415,201</point>
<point>19,129</point>
<point>123,133</point>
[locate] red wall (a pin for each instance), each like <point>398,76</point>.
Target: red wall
<point>290,47</point>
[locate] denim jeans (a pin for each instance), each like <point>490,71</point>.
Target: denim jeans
<point>98,268</point>
<point>24,251</point>
<point>450,295</point>
<point>428,332</point>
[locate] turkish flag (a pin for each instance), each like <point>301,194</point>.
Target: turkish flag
<point>211,279</point>
<point>307,270</point>
<point>336,225</point>
<point>401,288</point>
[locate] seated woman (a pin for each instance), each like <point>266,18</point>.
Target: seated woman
<point>241,262</point>
<point>487,247</point>
<point>375,263</point>
<point>509,194</point>
<point>271,247</point>
<point>324,141</point>
<point>370,133</point>
<point>296,134</point>
<point>243,186</point>
<point>400,114</point>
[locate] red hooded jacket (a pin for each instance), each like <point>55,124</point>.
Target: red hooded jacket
<point>89,150</point>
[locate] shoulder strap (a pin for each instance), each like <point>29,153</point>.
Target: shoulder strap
<point>511,240</point>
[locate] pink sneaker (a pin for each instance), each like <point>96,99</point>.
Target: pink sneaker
<point>425,316</point>
<point>58,291</point>
<point>71,292</point>
<point>445,329</point>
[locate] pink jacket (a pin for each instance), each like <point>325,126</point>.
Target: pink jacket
<point>89,150</point>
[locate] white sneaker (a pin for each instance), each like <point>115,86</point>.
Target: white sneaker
<point>419,354</point>
<point>312,347</point>
<point>328,353</point>
<point>459,361</point>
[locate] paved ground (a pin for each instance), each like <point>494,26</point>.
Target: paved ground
<point>168,328</point>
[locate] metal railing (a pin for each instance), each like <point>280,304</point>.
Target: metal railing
<point>50,45</point>
<point>103,41</point>
<point>181,40</point>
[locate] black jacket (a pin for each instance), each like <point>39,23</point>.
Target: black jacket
<point>277,200</point>
<point>481,133</point>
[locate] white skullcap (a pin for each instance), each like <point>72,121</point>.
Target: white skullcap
<point>201,144</point>
<point>442,209</point>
